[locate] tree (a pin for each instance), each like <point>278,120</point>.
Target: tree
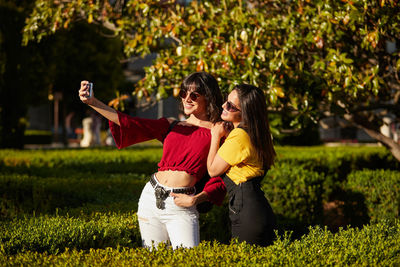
<point>16,73</point>
<point>29,74</point>
<point>312,58</point>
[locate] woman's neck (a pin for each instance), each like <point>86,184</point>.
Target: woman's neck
<point>236,124</point>
<point>201,122</point>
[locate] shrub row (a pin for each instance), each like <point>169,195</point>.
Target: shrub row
<point>296,196</point>
<point>299,193</point>
<point>332,161</point>
<point>337,162</point>
<point>63,163</point>
<point>374,245</point>
<point>301,198</point>
<point>52,234</point>
<point>379,190</point>
<point>24,194</point>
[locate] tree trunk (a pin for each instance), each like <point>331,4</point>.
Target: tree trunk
<point>388,142</point>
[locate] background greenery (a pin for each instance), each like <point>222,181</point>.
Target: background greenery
<point>30,75</point>
<point>78,206</point>
<point>312,58</point>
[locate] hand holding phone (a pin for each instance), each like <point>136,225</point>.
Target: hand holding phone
<point>90,85</point>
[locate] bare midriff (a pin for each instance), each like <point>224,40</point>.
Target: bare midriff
<point>175,178</point>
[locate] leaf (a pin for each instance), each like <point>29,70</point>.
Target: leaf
<point>90,18</point>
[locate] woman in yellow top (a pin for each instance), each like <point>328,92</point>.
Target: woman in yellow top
<point>245,157</point>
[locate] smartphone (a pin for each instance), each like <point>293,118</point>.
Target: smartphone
<point>90,89</point>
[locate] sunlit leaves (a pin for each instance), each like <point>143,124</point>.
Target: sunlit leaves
<point>301,53</point>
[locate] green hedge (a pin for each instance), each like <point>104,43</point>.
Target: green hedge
<point>379,190</point>
<point>77,207</point>
<point>65,162</point>
<point>24,194</point>
<point>332,161</point>
<point>296,196</point>
<point>102,180</point>
<point>374,245</point>
<point>38,137</point>
<point>337,162</point>
<point>54,234</point>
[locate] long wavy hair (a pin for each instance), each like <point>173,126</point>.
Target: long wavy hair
<point>255,122</point>
<point>205,84</point>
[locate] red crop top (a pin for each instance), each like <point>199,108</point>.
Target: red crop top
<point>185,147</point>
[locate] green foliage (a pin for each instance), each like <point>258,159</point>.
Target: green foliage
<point>296,195</point>
<point>301,53</point>
<point>215,224</point>
<point>81,206</point>
<point>312,58</point>
<point>54,234</point>
<point>24,194</point>
<point>381,192</point>
<point>337,162</point>
<point>71,181</point>
<point>63,163</point>
<point>375,245</point>
<point>30,75</point>
<point>38,137</point>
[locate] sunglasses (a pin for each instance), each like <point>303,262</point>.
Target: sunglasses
<point>231,107</point>
<point>193,95</point>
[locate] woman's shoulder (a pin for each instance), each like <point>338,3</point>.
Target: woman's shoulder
<point>239,132</point>
<point>239,135</point>
<point>205,127</point>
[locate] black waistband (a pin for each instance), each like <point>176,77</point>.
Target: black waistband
<point>231,186</point>
<point>186,190</point>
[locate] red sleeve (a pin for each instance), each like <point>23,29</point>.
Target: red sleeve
<point>216,190</point>
<point>133,130</point>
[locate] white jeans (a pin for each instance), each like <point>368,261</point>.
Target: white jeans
<point>176,224</point>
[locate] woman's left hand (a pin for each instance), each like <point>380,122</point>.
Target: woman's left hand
<point>183,200</point>
<point>218,130</point>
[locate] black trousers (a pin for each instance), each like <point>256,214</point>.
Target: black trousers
<point>252,218</point>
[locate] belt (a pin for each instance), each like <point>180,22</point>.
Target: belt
<point>162,193</point>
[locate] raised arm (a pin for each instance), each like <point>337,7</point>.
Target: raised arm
<point>215,164</point>
<point>108,112</point>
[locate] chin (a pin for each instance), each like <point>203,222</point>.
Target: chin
<point>187,111</point>
<point>224,116</point>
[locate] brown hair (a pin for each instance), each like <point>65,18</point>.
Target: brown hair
<point>255,121</point>
<point>206,85</point>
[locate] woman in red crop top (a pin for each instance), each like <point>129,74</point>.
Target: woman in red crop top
<point>164,212</point>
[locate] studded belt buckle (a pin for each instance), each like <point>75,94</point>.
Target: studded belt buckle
<point>161,194</point>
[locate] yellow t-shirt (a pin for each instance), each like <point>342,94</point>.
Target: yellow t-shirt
<point>238,152</point>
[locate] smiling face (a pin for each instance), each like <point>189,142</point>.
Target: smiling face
<point>193,103</point>
<point>231,109</point>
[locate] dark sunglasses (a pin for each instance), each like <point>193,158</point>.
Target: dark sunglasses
<point>231,107</point>
<point>193,95</point>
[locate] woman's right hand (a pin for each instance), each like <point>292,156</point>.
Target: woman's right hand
<point>84,93</point>
<point>218,130</point>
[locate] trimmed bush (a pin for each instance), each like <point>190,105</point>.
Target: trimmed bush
<point>63,163</point>
<point>38,137</point>
<point>337,162</point>
<point>374,245</point>
<point>54,234</point>
<point>380,191</point>
<point>91,196</point>
<point>296,196</point>
<point>24,194</point>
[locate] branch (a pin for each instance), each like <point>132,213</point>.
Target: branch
<point>176,39</point>
<point>369,128</point>
<point>394,107</point>
<point>119,5</point>
<point>110,26</point>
